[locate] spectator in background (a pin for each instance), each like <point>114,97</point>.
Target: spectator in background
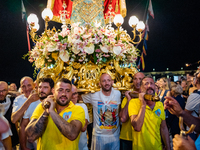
<point>193,103</point>
<point>185,93</point>
<point>194,88</point>
<point>165,88</point>
<point>13,87</point>
<point>172,120</point>
<point>178,82</point>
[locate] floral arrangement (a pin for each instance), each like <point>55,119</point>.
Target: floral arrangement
<point>80,44</point>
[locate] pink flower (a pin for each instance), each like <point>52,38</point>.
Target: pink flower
<point>106,55</point>
<point>98,50</point>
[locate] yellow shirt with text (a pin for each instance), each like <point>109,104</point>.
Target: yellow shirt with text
<point>149,137</point>
<point>52,138</point>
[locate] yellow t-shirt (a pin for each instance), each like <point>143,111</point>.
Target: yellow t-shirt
<point>126,129</point>
<point>149,137</point>
<point>52,138</point>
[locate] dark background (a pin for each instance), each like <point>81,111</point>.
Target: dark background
<point>173,37</point>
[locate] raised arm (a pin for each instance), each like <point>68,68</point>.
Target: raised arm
<point>22,134</point>
<point>174,108</point>
<point>36,127</point>
<point>123,115</point>
<point>138,120</point>
<point>17,115</point>
<point>165,134</point>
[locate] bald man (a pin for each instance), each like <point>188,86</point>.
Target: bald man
<point>106,104</point>
<point>22,102</point>
<point>126,130</point>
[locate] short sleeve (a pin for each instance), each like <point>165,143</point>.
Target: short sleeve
<point>192,102</point>
<point>16,105</point>
<point>124,101</point>
<point>27,114</point>
<point>87,98</point>
<point>86,112</point>
<point>79,114</point>
<point>118,94</point>
<point>134,107</point>
<point>37,112</point>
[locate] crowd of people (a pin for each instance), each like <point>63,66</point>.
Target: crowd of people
<point>48,115</point>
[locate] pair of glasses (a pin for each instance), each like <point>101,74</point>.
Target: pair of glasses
<point>3,91</point>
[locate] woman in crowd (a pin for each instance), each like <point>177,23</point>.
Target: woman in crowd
<point>164,86</point>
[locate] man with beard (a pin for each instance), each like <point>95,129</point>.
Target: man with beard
<point>106,104</point>
<point>57,127</point>
<point>7,101</point>
<point>126,129</point>
<point>44,89</point>
<point>148,120</point>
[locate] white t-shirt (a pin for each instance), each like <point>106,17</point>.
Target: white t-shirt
<point>83,137</point>
<point>31,109</point>
<point>18,102</point>
<point>6,134</point>
<point>105,112</point>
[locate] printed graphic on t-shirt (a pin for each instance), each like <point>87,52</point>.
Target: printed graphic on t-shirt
<point>67,115</point>
<point>158,112</point>
<point>107,115</point>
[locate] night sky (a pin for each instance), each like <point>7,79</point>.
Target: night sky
<point>173,37</point>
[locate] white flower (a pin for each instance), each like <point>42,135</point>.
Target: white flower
<point>96,24</point>
<point>104,48</point>
<point>85,36</point>
<point>75,50</point>
<point>64,55</point>
<point>52,47</point>
<point>90,49</point>
<point>117,50</point>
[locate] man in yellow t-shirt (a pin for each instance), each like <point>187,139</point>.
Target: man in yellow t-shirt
<point>58,126</point>
<point>126,129</point>
<point>148,120</point>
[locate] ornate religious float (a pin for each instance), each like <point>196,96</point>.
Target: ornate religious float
<point>89,47</point>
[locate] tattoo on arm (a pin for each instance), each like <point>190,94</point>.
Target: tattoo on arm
<point>69,130</point>
<point>36,127</point>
